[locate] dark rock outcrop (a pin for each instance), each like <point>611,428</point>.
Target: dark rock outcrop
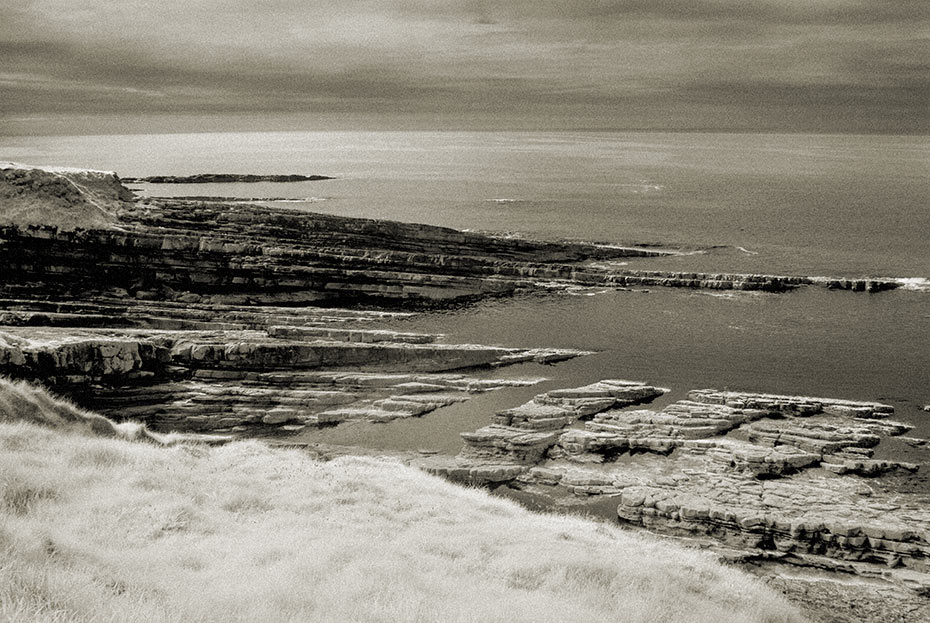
<point>224,178</point>
<point>245,253</point>
<point>212,199</point>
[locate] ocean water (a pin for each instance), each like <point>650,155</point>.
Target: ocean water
<point>811,342</point>
<point>800,204</point>
<point>788,204</point>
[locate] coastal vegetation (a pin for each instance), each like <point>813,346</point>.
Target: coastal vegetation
<point>213,322</point>
<point>102,528</point>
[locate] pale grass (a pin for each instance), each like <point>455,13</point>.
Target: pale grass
<point>104,529</point>
<point>21,401</point>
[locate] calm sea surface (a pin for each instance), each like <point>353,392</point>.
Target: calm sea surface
<point>789,204</point>
<point>844,205</point>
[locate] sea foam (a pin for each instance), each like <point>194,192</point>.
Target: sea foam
<point>920,284</point>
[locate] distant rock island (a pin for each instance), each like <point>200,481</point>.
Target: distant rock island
<point>223,178</point>
<point>212,199</point>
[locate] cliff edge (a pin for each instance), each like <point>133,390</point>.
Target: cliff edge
<point>62,197</point>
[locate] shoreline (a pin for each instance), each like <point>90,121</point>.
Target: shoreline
<point>226,319</point>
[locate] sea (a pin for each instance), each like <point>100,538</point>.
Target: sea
<point>792,204</point>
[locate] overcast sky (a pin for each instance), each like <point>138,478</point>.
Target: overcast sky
<point>794,65</point>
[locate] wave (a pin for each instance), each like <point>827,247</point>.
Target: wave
<point>504,235</point>
<point>608,265</point>
<point>919,284</point>
<point>642,187</point>
<point>732,295</point>
<point>304,200</point>
<point>573,289</point>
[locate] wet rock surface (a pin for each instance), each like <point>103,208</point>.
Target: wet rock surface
<point>779,478</point>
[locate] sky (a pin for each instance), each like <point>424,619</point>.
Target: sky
<point>728,65</point>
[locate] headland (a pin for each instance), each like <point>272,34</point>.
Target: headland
<point>241,321</point>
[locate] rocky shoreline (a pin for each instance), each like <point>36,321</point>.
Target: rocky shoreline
<point>785,477</point>
<point>224,178</point>
<point>246,320</point>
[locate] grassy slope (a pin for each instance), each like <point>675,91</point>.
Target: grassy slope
<point>24,402</point>
<point>66,198</point>
<point>106,529</point>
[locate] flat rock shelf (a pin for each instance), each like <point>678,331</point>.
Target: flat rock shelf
<point>242,320</point>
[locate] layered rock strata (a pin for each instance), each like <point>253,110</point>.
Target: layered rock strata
<point>315,373</point>
<point>738,281</point>
<point>182,292</point>
<point>203,316</point>
<point>85,230</point>
<point>522,436</point>
<point>777,477</point>
<point>195,316</point>
<point>275,256</point>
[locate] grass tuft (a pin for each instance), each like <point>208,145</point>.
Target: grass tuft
<point>97,456</point>
<point>102,529</point>
<point>21,491</point>
<point>246,503</point>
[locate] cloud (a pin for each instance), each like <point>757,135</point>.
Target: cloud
<point>580,59</point>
